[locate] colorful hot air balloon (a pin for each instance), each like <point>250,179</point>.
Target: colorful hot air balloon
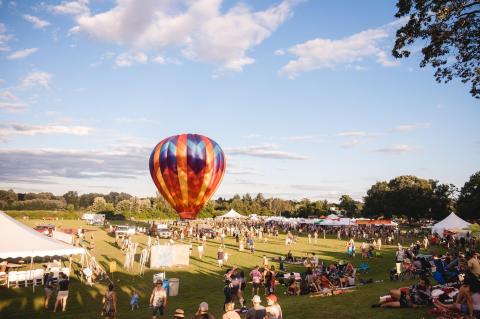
<point>187,169</point>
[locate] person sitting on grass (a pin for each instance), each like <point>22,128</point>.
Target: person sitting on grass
<point>325,282</point>
<point>468,298</point>
<point>292,285</point>
<point>409,297</point>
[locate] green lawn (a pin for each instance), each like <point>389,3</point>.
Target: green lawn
<point>202,281</point>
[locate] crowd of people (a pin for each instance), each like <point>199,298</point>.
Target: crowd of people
<point>454,273</point>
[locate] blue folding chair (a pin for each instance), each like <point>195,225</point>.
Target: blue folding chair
<point>363,267</point>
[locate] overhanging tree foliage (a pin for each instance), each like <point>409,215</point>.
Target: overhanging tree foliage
<point>449,31</point>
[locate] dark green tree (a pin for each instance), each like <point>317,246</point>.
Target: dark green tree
<point>71,198</point>
<point>375,203</point>
<point>348,205</point>
<point>468,204</point>
<point>449,31</point>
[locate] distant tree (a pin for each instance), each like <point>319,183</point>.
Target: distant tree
<point>348,205</point>
<point>450,31</point>
<point>443,200</point>
<point>99,205</point>
<point>123,206</point>
<point>86,200</point>
<point>8,196</point>
<point>375,203</point>
<point>468,204</point>
<point>72,198</point>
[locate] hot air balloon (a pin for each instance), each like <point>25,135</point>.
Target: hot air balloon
<point>187,169</point>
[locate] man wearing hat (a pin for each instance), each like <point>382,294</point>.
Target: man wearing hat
<point>202,312</point>
<point>179,314</point>
<point>257,311</point>
<point>158,299</point>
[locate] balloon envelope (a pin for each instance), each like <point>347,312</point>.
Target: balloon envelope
<point>187,169</point>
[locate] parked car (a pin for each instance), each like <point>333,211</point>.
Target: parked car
<point>124,230</point>
<point>160,230</point>
<point>45,229</point>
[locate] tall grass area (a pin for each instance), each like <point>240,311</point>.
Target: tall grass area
<point>202,281</point>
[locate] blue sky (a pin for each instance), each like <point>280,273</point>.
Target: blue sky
<point>303,96</point>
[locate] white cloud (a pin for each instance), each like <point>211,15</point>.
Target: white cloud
<point>24,129</point>
<point>21,54</point>
<point>36,22</point>
<point>279,52</point>
<point>129,59</point>
<point>12,106</point>
<point>7,95</point>
<point>76,8</point>
<point>133,120</point>
<point>410,127</point>
<point>396,149</point>
<point>329,53</point>
<point>37,78</point>
<point>265,151</point>
<point>4,38</point>
<point>41,165</point>
<point>384,59</point>
<point>8,131</point>
<point>198,28</point>
<point>354,134</point>
<point>299,138</point>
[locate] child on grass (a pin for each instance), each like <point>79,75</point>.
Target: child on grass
<point>134,300</point>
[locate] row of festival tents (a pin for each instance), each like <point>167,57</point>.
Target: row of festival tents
<point>452,223</point>
<point>330,220</point>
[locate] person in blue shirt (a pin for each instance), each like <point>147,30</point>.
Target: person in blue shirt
<point>134,300</point>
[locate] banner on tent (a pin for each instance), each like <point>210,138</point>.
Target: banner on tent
<point>169,256</point>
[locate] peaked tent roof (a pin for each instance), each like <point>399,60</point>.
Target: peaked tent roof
<point>231,214</point>
<point>450,222</point>
<point>19,240</point>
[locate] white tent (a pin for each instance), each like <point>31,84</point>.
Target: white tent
<point>451,222</point>
<point>20,241</point>
<point>231,214</point>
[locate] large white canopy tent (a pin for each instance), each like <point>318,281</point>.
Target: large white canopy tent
<point>452,221</point>
<point>232,214</point>
<point>21,241</point>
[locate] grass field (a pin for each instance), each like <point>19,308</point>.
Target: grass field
<point>202,281</point>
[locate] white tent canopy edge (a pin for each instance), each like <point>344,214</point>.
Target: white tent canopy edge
<point>21,241</point>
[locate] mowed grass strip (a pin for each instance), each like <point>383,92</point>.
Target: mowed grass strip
<point>203,281</point>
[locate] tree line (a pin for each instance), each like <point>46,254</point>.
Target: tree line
<point>405,196</point>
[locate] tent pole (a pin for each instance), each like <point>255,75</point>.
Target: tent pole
<point>33,281</point>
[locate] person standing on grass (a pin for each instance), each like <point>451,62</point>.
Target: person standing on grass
<point>315,236</point>
<point>109,303</point>
<point>220,256</point>
<point>158,299</point>
<point>309,238</point>
<point>257,311</point>
<point>200,249</point>
<point>256,279</point>
<point>202,312</point>
<point>49,287</point>
<point>274,311</point>
<point>230,312</point>
<point>62,295</point>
